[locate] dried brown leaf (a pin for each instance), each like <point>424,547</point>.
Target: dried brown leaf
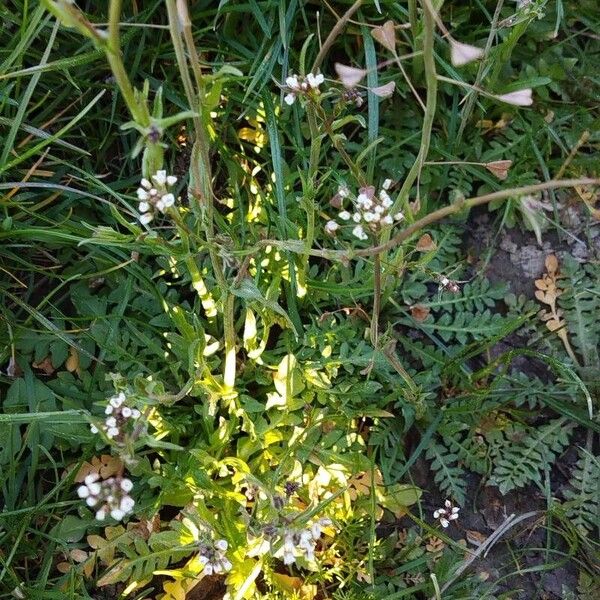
<point>499,168</point>
<point>419,312</point>
<point>44,365</point>
<point>426,243</point>
<point>72,363</point>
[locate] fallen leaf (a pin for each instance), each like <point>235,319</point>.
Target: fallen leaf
<point>105,466</point>
<point>44,365</point>
<point>78,555</point>
<point>475,537</point>
<point>419,312</point>
<point>72,363</point>
<point>63,567</point>
<point>426,243</point>
<point>499,168</point>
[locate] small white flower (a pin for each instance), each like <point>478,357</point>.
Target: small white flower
<point>112,432</point>
<point>288,543</point>
<point>227,566</point>
<point>135,413</point>
<point>111,422</point>
<point>117,514</point>
<point>343,191</point>
<point>462,54</point>
<point>398,216</point>
<point>387,220</point>
<point>288,558</point>
<point>91,478</point>
<point>143,207</point>
<point>168,200</point>
<point>127,504</point>
<point>315,530</point>
<point>94,488</point>
<point>221,545</point>
<point>101,514</point>
<point>344,215</point>
<point>362,199</point>
<point>161,205</point>
<point>146,218</point>
<point>126,485</point>
<point>519,98</point>
<point>379,209</point>
<point>160,177</point>
<point>356,217</point>
<point>387,184</point>
<point>108,410</point>
<point>359,232</point>
<point>126,412</point>
<point>142,194</point>
<point>208,569</point>
<point>203,560</point>
<point>91,501</point>
<point>83,491</point>
<point>368,216</point>
<point>447,514</point>
<point>145,183</point>
<point>289,99</point>
<point>292,82</point>
<point>93,429</point>
<point>331,227</point>
<point>315,80</point>
<point>117,400</point>
<point>171,180</point>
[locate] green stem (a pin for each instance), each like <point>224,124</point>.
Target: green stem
<point>200,174</point>
<point>315,151</point>
<point>471,99</point>
<point>138,110</point>
<point>376,301</point>
<point>430,106</point>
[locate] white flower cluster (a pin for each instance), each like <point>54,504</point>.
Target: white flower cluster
<point>445,515</point>
<point>370,212</point>
<point>296,85</point>
<point>301,542</point>
<point>118,414</point>
<point>110,497</point>
<point>213,558</point>
<point>155,196</point>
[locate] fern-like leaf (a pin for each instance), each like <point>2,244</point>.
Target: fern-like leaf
<point>449,475</point>
<point>522,463</point>
<point>583,498</point>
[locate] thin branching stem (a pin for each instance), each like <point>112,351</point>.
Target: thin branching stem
<point>430,219</point>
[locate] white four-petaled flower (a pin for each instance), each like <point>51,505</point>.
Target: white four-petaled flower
<point>109,497</point>
<point>155,196</point>
<point>446,514</point>
<point>297,85</point>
